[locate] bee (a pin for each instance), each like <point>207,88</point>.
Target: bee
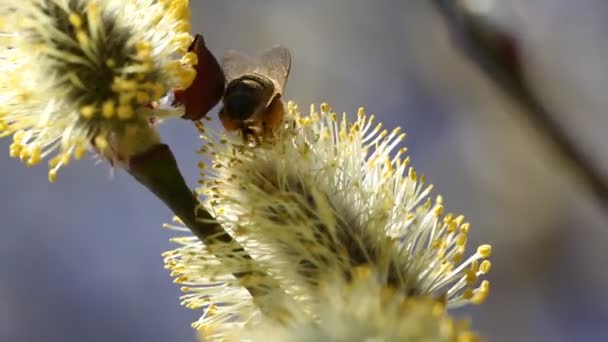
<point>252,99</point>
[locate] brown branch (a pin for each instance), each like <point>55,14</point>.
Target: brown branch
<point>158,171</point>
<point>497,54</point>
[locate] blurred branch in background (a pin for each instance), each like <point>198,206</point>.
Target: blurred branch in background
<point>496,52</point>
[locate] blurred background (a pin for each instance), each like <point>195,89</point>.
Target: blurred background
<point>82,256</point>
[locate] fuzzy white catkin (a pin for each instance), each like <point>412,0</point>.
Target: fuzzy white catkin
<point>321,200</point>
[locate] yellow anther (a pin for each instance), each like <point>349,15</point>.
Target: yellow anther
<point>485,251</point>
<point>362,273</point>
<point>125,112</point>
<point>471,277</point>
<point>325,107</point>
<point>182,26</point>
<point>451,227</point>
<point>461,239</point>
<point>180,280</point>
<point>159,90</point>
<point>179,11</point>
<point>467,336</point>
<point>361,112</point>
<point>18,136</point>
<point>93,10</point>
<point>82,37</point>
<point>438,210</point>
<point>154,20</point>
<point>65,158</point>
<point>464,228</point>
<point>87,111</point>
<point>485,267</point>
<point>182,41</point>
<point>412,174</point>
<point>111,63</point>
<point>75,20</point>
<point>190,58</point>
<point>482,293</point>
<point>143,97</point>
<point>79,152</point>
<point>52,175</point>
<point>108,109</point>
<point>54,161</point>
<point>186,76</point>
<point>24,153</point>
<point>144,49</point>
<point>36,156</point>
<point>458,256</point>
<point>101,142</point>
<point>436,244</point>
<point>467,294</point>
<point>459,219</point>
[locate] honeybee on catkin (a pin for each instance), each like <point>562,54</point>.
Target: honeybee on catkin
<point>252,99</point>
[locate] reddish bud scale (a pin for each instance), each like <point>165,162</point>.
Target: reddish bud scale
<point>208,86</point>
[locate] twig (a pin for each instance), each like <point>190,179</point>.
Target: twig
<point>158,171</point>
<point>497,54</point>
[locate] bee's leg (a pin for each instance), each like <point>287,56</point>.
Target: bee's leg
<point>227,122</point>
<point>250,136</point>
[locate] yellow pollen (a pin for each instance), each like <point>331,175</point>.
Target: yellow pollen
<point>467,336</point>
<point>451,227</point>
<point>361,112</point>
<point>111,63</point>
<point>471,277</point>
<point>182,41</point>
<point>79,152</point>
<point>458,256</point>
<point>467,294</point>
<point>482,293</point>
<point>82,37</point>
<point>87,112</point>
<point>142,97</point>
<point>101,142</point>
<point>108,109</point>
<point>190,58</point>
<point>459,219</point>
<point>93,10</point>
<point>465,228</point>
<point>461,239</point>
<point>485,267</point>
<point>35,156</point>
<point>485,251</point>
<point>412,174</point>
<point>125,112</point>
<point>438,210</point>
<point>159,90</point>
<point>75,20</point>
<point>52,175</point>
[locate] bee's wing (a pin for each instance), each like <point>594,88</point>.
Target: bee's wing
<point>236,64</point>
<point>276,65</point>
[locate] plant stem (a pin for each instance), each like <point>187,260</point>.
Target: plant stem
<point>158,171</point>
